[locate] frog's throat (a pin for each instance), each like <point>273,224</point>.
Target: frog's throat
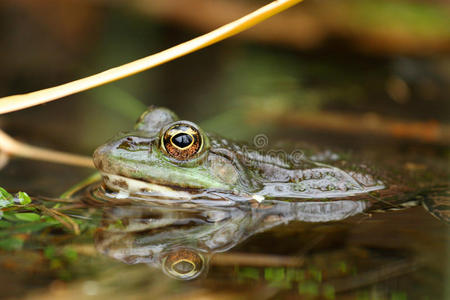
<point>126,186</point>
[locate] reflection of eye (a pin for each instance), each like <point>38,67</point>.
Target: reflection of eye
<point>183,264</point>
<point>182,141</point>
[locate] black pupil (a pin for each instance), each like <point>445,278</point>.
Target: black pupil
<point>182,140</point>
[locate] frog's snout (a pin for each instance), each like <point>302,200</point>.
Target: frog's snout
<point>101,156</point>
<point>98,157</point>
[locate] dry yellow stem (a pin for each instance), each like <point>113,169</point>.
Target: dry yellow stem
<point>17,102</point>
<point>11,146</point>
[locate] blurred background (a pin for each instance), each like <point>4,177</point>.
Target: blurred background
<point>353,74</point>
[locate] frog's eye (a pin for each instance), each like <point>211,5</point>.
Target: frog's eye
<point>183,264</point>
<point>182,141</point>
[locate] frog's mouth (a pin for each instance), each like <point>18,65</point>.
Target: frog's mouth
<point>124,187</point>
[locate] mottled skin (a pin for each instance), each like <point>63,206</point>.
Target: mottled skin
<point>135,162</point>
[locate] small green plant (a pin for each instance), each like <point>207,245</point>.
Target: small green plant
<point>7,199</point>
<point>20,216</point>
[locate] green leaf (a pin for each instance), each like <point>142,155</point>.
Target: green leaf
<point>4,203</point>
<point>9,215</point>
<point>5,195</point>
<point>29,217</point>
<point>6,199</point>
<point>24,199</point>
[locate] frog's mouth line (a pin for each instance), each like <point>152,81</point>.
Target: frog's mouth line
<point>124,188</point>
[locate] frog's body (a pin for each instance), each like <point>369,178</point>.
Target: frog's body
<point>167,159</point>
<point>138,163</point>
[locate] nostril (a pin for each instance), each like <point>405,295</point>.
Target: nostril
<point>126,145</point>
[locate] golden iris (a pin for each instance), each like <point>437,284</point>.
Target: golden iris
<point>182,141</point>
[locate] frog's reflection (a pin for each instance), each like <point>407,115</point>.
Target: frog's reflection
<point>181,238</point>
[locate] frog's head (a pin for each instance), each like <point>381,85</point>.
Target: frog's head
<point>164,154</point>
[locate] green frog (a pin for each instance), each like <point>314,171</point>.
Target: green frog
<point>189,194</point>
<point>170,158</point>
<point>173,160</point>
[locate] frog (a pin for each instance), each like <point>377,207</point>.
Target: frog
<point>168,172</point>
<point>164,156</point>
